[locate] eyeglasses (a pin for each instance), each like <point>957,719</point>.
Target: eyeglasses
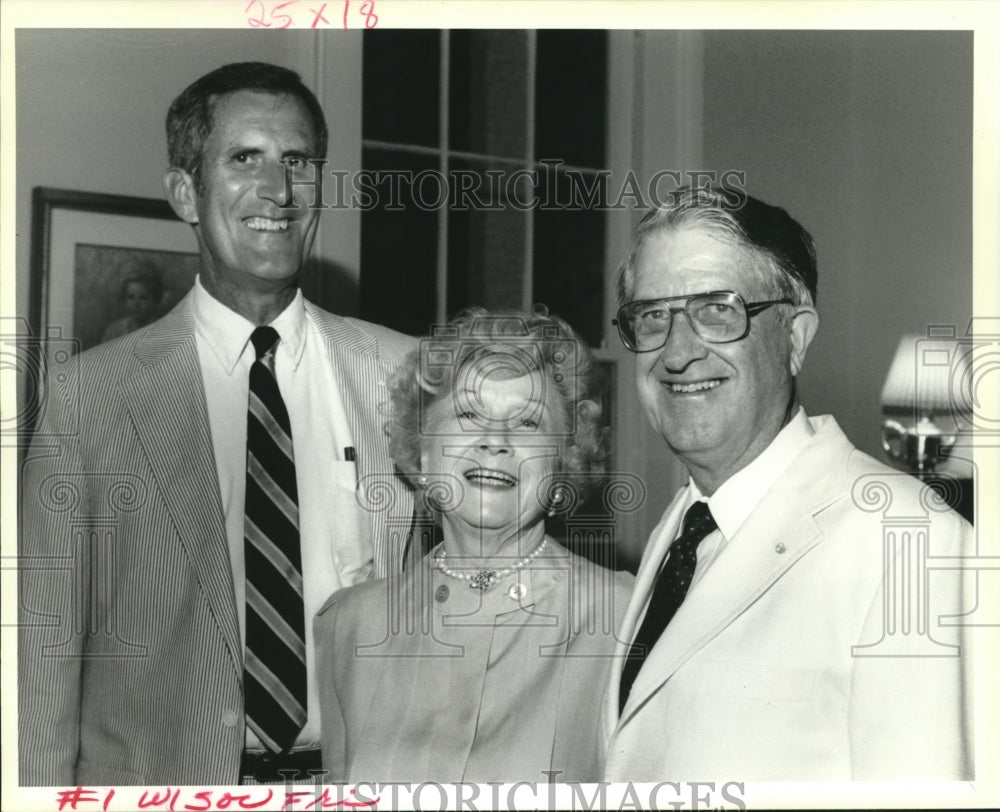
<point>718,317</point>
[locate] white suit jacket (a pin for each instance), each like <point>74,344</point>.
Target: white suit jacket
<point>770,670</point>
<point>130,660</point>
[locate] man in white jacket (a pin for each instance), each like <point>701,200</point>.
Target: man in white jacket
<point>771,637</point>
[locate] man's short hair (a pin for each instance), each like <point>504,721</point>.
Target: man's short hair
<point>189,120</point>
<point>789,269</point>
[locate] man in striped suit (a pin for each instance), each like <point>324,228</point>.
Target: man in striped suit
<point>149,550</point>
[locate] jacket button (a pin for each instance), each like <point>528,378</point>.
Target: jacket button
<point>229,719</point>
<point>779,548</point>
<point>441,595</point>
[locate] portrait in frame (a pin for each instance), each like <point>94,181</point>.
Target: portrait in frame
<point>86,248</point>
<point>101,265</point>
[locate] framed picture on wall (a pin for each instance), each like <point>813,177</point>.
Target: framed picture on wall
<point>101,266</point>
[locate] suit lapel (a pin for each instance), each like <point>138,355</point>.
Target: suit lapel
<point>779,531</point>
<point>653,555</point>
<point>166,402</point>
<point>749,565</point>
<point>361,376</point>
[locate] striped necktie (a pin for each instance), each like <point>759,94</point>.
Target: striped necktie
<point>274,683</point>
<point>668,593</point>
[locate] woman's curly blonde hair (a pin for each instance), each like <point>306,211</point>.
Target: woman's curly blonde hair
<point>519,343</point>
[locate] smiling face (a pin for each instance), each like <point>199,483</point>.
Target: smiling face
<point>249,244</point>
<point>718,406</point>
<point>499,444</point>
<point>139,301</point>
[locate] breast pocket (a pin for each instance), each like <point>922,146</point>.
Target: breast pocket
<point>351,528</point>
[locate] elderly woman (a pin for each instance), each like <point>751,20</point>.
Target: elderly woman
<point>487,661</point>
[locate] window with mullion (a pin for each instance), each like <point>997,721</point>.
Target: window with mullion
<point>478,106</point>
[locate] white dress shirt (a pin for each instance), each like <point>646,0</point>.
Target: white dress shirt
<point>736,498</point>
<point>334,554</point>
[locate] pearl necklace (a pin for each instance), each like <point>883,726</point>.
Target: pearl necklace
<point>484,579</point>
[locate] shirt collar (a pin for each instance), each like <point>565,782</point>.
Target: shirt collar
<point>227,333</point>
<point>736,498</point>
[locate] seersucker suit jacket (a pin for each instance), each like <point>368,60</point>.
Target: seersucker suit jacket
<point>814,648</point>
<point>129,655</point>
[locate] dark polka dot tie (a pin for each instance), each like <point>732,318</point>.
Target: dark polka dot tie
<point>668,593</point>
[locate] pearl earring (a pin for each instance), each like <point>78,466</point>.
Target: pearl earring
<point>557,497</point>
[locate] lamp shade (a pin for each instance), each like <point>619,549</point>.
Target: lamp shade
<point>927,379</point>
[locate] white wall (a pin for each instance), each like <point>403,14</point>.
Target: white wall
<point>866,139</point>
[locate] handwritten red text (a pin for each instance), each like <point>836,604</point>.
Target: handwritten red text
<point>308,14</point>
